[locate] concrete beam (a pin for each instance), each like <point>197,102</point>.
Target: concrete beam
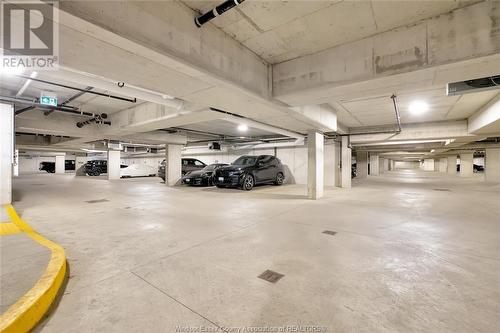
<point>418,131</point>
<point>487,119</point>
<point>440,48</point>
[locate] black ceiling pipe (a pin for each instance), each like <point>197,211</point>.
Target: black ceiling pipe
<point>219,10</point>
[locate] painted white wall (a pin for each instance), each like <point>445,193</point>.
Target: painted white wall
<point>294,160</point>
<point>479,161</point>
<point>29,164</point>
<point>406,165</point>
<point>6,152</point>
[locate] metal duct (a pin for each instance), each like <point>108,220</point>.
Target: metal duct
<point>219,10</point>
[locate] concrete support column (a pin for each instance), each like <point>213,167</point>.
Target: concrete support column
<point>6,152</point>
<point>315,165</point>
<point>436,164</point>
<point>113,164</point>
<point>361,164</point>
<point>466,164</point>
<point>173,167</point>
<point>386,165</point>
<point>346,163</point>
<point>451,165</point>
<point>492,165</point>
<point>60,164</point>
<point>374,165</point>
<point>428,164</point>
<point>391,165</point>
<point>330,171</point>
<point>380,165</point>
<point>443,162</point>
<point>79,163</point>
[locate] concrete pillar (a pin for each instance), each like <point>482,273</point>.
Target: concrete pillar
<point>436,164</point>
<point>315,165</point>
<point>113,164</point>
<point>385,164</point>
<point>346,163</point>
<point>443,162</point>
<point>492,165</point>
<point>60,164</point>
<point>451,165</point>
<point>6,152</point>
<point>374,165</point>
<point>330,171</point>
<point>173,167</point>
<point>391,165</point>
<point>466,164</point>
<point>79,163</point>
<point>428,164</point>
<point>361,164</point>
<point>380,165</point>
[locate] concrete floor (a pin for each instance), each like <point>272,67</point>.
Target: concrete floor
<point>413,252</point>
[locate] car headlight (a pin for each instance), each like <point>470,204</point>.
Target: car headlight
<point>236,173</point>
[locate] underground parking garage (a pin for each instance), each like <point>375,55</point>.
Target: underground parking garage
<point>250,166</point>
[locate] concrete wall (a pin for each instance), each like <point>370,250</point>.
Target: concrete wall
<point>294,160</point>
<point>31,164</point>
<point>428,164</point>
<point>406,165</point>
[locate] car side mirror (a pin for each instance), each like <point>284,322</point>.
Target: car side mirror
<point>260,163</point>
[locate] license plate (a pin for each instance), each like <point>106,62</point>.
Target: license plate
<point>187,180</point>
<point>221,179</point>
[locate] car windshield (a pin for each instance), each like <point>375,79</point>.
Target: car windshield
<point>211,167</point>
<point>246,160</point>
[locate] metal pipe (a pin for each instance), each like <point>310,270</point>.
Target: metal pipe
<point>98,119</point>
<point>219,10</point>
<point>396,110</point>
<point>80,89</point>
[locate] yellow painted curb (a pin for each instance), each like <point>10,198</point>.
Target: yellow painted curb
<point>23,315</point>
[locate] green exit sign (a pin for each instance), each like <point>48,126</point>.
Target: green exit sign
<point>48,100</point>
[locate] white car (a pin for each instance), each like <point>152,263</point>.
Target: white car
<point>138,170</point>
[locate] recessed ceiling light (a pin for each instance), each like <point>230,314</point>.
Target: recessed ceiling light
<point>418,107</point>
<point>242,128</point>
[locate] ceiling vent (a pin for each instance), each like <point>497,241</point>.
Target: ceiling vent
<point>472,86</point>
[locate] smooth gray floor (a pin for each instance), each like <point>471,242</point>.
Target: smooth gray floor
<point>22,262</point>
<point>406,257</point>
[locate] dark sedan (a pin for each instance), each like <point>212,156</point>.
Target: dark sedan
<point>248,171</point>
<point>201,177</point>
<point>50,167</point>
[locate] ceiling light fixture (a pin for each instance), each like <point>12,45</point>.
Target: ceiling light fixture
<point>418,107</point>
<point>242,128</point>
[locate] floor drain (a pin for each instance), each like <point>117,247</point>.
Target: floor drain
<point>442,189</point>
<point>329,232</point>
<point>270,276</point>
<point>96,201</point>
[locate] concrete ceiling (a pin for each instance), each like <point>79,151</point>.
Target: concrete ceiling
<point>10,86</point>
<point>226,128</point>
<point>278,31</point>
<point>379,110</point>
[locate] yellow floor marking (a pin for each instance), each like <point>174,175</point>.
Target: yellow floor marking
<point>8,228</point>
<point>23,315</point>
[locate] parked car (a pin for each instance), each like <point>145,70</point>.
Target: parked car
<point>248,171</point>
<point>50,167</point>
<point>475,168</point>
<point>96,167</point>
<point>354,170</point>
<point>187,165</point>
<point>137,170</point>
<point>201,177</point>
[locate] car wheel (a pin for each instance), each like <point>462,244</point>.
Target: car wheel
<point>248,183</point>
<point>279,179</point>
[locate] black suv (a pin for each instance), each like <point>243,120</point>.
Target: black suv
<point>96,167</point>
<point>248,171</point>
<point>187,165</point>
<point>50,167</point>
